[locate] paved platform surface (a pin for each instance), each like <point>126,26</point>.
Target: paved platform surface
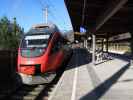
<point>110,80</point>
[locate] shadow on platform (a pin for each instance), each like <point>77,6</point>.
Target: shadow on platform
<point>100,90</point>
<point>80,57</point>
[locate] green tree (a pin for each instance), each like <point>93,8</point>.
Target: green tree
<point>3,30</point>
<point>9,33</point>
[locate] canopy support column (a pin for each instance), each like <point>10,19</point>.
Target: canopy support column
<point>107,44</point>
<point>131,46</point>
<point>93,48</point>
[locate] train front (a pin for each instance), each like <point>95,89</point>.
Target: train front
<point>32,58</point>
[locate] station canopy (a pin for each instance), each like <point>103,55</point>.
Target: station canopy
<point>101,17</point>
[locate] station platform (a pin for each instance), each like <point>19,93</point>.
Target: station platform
<point>109,80</point>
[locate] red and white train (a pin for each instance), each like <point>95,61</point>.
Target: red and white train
<point>41,53</point>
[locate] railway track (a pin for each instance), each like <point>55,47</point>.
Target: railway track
<point>36,92</point>
<point>27,92</point>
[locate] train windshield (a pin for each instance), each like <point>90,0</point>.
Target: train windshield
<point>35,41</point>
<point>34,45</point>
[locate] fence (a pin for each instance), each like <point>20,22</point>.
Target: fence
<point>8,62</point>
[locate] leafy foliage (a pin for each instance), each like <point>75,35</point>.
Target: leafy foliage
<point>9,33</point>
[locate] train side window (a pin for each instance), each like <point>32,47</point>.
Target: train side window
<point>56,46</point>
<point>50,38</point>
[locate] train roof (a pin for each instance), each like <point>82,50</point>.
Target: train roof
<point>43,29</point>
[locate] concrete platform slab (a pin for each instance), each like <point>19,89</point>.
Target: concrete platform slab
<point>111,80</point>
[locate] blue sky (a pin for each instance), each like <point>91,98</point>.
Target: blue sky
<point>29,12</point>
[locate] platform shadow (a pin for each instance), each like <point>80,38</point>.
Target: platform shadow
<point>101,89</point>
<point>80,57</point>
<point>126,80</point>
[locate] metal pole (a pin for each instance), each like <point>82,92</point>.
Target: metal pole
<point>107,44</point>
<point>131,46</point>
<point>102,45</point>
<point>93,48</point>
<point>86,44</point>
<point>46,14</point>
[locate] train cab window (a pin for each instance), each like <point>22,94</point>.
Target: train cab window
<point>57,45</point>
<point>55,48</point>
<point>34,45</point>
<point>35,41</point>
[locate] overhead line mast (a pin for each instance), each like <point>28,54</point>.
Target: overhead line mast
<point>46,15</point>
